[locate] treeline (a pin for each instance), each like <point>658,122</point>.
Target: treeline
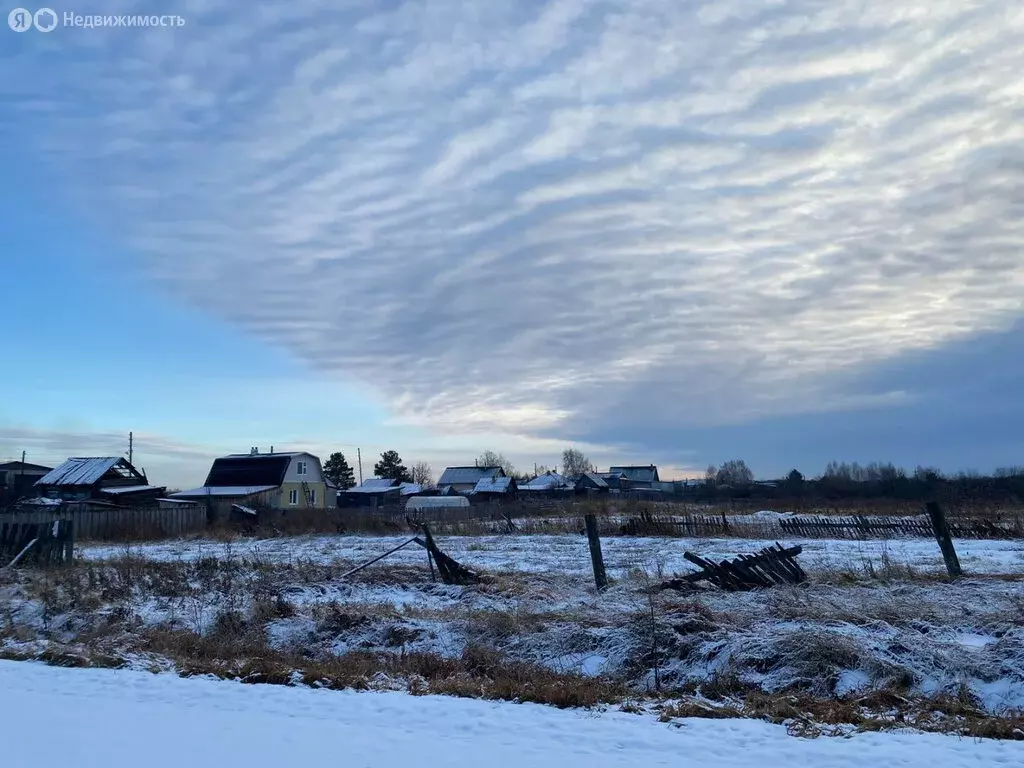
<point>877,480</point>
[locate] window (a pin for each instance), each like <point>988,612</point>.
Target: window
<point>312,497</point>
<point>300,467</point>
<point>293,496</point>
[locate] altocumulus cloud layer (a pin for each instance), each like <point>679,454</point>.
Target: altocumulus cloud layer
<point>563,217</point>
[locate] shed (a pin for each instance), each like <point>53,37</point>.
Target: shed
<point>494,487</point>
<point>81,478</point>
<point>591,482</point>
<point>373,492</point>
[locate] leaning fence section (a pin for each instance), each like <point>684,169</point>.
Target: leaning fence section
<point>36,543</point>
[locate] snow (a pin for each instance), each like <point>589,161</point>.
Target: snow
<point>851,681</point>
<point>569,554</point>
<point>121,718</point>
<point>975,640</point>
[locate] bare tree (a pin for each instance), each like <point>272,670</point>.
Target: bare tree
<point>575,463</point>
<point>734,473</point>
<point>492,459</point>
<point>423,474</point>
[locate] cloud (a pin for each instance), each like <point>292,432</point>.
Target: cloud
<point>567,218</point>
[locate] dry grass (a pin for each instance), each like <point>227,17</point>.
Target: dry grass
<point>236,648</point>
<point>92,617</point>
<point>809,717</point>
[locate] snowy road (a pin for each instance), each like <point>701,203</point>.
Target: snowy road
<point>122,719</point>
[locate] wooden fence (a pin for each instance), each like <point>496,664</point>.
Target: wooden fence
<point>42,543</point>
<point>119,524</point>
<point>676,525</point>
<point>888,527</point>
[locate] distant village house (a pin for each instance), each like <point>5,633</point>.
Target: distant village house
<point>108,480</point>
<point>254,481</point>
<point>17,479</point>
<point>465,479</point>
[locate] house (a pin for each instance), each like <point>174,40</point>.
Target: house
<point>636,477</point>
<point>495,488</point>
<point>464,479</point>
<point>591,482</point>
<point>108,479</point>
<point>17,479</point>
<point>549,481</point>
<point>279,481</point>
<point>373,492</point>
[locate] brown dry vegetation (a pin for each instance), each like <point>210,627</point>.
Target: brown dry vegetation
<point>106,631</point>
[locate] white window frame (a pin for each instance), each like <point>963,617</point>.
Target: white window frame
<point>301,467</point>
<point>293,497</point>
<point>312,497</point>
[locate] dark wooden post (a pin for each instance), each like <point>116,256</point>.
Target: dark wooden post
<point>941,528</point>
<point>600,578</point>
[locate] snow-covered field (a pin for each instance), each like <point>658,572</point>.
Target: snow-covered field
<point>122,719</point>
<point>874,616</point>
<point>568,554</point>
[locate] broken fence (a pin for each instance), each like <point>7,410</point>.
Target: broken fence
<point>772,565</point>
<point>48,543</point>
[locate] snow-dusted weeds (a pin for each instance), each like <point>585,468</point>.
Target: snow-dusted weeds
<point>875,616</point>
<point>121,719</point>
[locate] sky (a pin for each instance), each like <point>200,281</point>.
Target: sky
<point>661,231</point>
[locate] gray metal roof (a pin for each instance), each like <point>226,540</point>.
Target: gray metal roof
<point>646,474</point>
<point>79,471</point>
<point>468,475</point>
<point>378,483</point>
<point>545,482</point>
<point>596,479</point>
<point>222,490</point>
<point>493,485</point>
<point>134,489</point>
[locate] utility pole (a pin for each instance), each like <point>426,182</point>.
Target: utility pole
<point>22,483</point>
<point>359,456</point>
<point>131,447</point>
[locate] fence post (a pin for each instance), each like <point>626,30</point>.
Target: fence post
<point>600,578</point>
<point>941,528</point>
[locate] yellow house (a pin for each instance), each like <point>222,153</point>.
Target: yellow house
<point>254,480</point>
